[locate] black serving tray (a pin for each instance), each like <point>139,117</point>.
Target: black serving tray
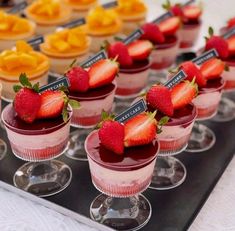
<point>173,209</point>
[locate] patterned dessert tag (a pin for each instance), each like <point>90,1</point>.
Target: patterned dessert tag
<point>134,110</point>
<point>188,3</point>
<point>176,79</point>
<point>101,55</point>
<point>205,56</point>
<point>74,23</point>
<point>17,8</point>
<point>62,82</point>
<point>110,4</point>
<point>134,36</point>
<point>163,17</point>
<point>35,42</point>
<point>229,33</point>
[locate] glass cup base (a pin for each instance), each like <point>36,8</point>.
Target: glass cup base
<point>130,213</point>
<point>202,139</point>
<point>172,152</point>
<point>44,178</point>
<point>168,173</point>
<point>226,110</point>
<point>76,150</point>
<point>3,149</point>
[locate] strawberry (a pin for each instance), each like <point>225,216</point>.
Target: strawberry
<point>102,72</point>
<point>191,70</point>
<point>231,45</point>
<point>152,33</point>
<point>231,22</point>
<point>79,79</point>
<point>217,42</point>
<point>111,134</point>
<point>170,25</point>
<point>177,10</point>
<point>140,49</point>
<point>159,97</point>
<point>119,50</point>
<point>140,130</point>
<point>213,68</point>
<point>27,100</point>
<point>191,13</point>
<point>52,104</point>
<point>183,94</point>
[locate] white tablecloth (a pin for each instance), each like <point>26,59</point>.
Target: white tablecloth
<point>218,213</point>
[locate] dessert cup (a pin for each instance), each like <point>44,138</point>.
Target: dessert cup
<point>207,102</point>
<point>169,172</point>
<point>42,175</point>
<point>121,179</point>
<point>92,102</point>
<point>3,146</point>
<point>131,81</point>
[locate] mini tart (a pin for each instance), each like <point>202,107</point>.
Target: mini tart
<point>48,14</point>
<point>62,48</point>
<point>13,28</point>
<point>22,60</point>
<point>102,24</point>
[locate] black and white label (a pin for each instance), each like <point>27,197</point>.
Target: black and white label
<point>134,36</point>
<point>101,55</point>
<point>134,110</point>
<point>188,3</point>
<point>75,23</point>
<point>17,8</point>
<point>62,82</point>
<point>205,56</point>
<point>35,42</point>
<point>110,4</point>
<point>163,17</point>
<point>175,79</point>
<point>229,33</point>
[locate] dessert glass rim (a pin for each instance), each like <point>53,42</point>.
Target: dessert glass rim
<point>34,132</point>
<point>211,90</point>
<point>137,70</point>
<point>120,168</point>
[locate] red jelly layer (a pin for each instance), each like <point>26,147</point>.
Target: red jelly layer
<point>132,159</point>
<point>212,85</point>
<point>93,94</point>
<point>192,23</point>
<point>38,127</point>
<point>136,67</point>
<point>230,61</point>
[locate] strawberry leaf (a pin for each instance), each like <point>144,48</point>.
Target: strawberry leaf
<point>25,81</point>
<point>74,104</point>
<point>73,63</point>
<point>36,87</point>
<point>16,88</point>
<point>211,31</point>
<point>65,114</point>
<point>117,38</point>
<point>164,120</point>
<point>226,67</point>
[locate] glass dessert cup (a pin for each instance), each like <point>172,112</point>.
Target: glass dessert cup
<point>92,102</point>
<point>3,146</point>
<point>121,179</point>
<point>169,172</point>
<point>207,102</point>
<point>189,34</point>
<point>226,108</point>
<point>39,143</point>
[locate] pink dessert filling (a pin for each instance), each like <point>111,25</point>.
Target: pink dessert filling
<point>229,76</point>
<point>120,175</point>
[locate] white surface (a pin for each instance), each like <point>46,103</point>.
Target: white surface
<point>19,214</point>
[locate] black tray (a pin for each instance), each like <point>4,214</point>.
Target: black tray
<point>173,209</point>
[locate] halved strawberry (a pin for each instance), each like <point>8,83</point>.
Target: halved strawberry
<point>152,33</point>
<point>170,25</point>
<point>52,104</point>
<point>191,70</point>
<point>231,45</point>
<point>102,72</point>
<point>140,49</point>
<point>231,22</point>
<point>159,97</point>
<point>111,134</point>
<point>183,94</point>
<point>213,68</point>
<point>218,43</point>
<point>140,130</point>
<point>119,50</point>
<point>191,12</point>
